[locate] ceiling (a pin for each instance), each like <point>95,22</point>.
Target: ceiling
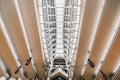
<point>98,39</point>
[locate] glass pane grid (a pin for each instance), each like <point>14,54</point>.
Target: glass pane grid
<point>59,21</point>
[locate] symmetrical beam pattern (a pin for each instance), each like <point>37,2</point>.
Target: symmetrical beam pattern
<point>74,39</point>
<point>60,27</point>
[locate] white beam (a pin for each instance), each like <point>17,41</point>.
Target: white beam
<point>10,43</point>
<point>109,45</point>
<point>82,7</point>
<point>23,26</point>
<point>116,73</point>
<point>3,68</point>
<point>96,25</point>
<point>39,29</point>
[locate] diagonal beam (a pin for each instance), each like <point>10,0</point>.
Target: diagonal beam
<point>30,21</point>
<point>89,26</point>
<point>96,24</point>
<point>105,36</point>
<point>117,74</point>
<point>23,26</point>
<point>3,68</point>
<point>10,43</point>
<point>113,56</point>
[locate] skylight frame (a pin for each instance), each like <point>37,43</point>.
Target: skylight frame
<point>74,30</point>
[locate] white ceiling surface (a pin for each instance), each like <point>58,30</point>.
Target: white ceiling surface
<point>99,38</point>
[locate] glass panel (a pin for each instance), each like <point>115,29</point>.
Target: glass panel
<point>59,24</point>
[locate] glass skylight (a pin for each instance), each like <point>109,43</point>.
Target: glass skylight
<point>59,24</point>
<point>59,21</point>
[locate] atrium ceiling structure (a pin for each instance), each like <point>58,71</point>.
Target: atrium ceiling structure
<point>59,39</point>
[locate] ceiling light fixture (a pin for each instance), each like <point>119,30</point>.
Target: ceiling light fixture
<point>18,69</point>
<point>104,75</point>
<point>91,63</point>
<point>28,61</point>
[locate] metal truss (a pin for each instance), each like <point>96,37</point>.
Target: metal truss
<point>59,21</point>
